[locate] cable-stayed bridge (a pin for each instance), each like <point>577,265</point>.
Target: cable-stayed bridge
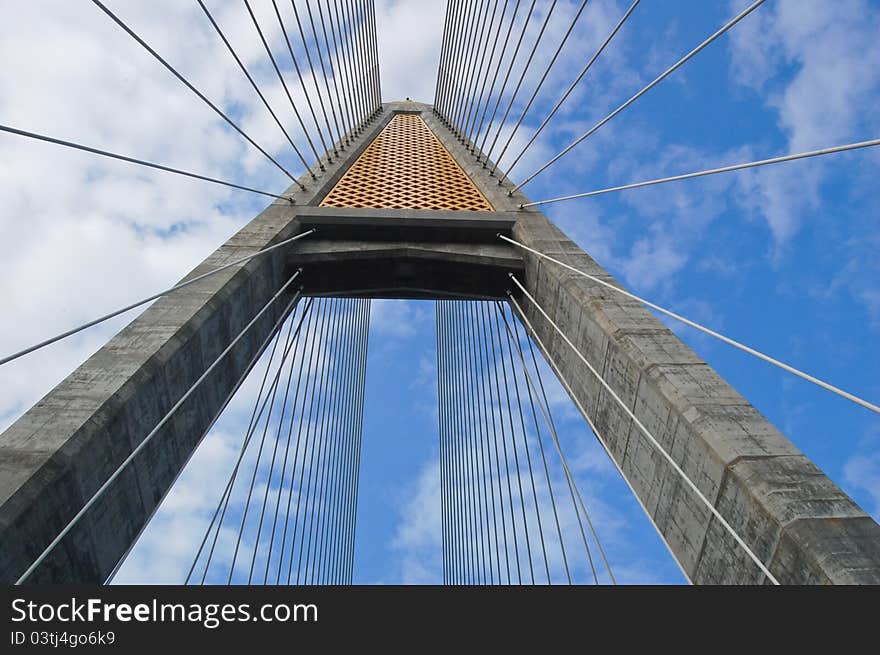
<point>407,200</point>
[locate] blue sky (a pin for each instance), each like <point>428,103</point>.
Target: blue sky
<point>782,258</point>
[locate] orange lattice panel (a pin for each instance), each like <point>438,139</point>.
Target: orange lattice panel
<point>406,167</point>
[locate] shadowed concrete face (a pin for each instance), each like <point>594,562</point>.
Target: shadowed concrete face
<point>57,455</point>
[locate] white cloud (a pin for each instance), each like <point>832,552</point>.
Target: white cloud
<point>402,320</point>
<point>862,470</point>
<point>418,535</point>
<point>816,63</point>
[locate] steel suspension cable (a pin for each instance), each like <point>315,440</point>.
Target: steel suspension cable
<point>713,171</point>
<point>358,100</point>
<point>522,499</point>
<point>571,88</point>
<point>359,31</point>
<point>302,84</point>
<point>675,466</point>
<point>345,129</point>
<point>457,444</point>
<point>522,77</point>
<point>513,57</point>
<point>531,334</point>
<point>638,95</point>
<point>484,431</point>
<point>481,70</point>
<point>465,30</point>
<point>317,446</point>
<point>480,44</point>
<point>544,459</point>
<point>445,51</point>
<point>540,84</point>
<point>441,415</point>
<point>469,129</point>
<point>346,498</point>
<point>331,571</point>
<point>309,446</point>
<point>335,431</point>
<point>342,441</point>
<point>302,35</point>
<point>489,399</point>
<point>485,111</point>
<point>293,414</point>
<point>284,402</point>
<point>338,136</point>
<point>376,72</point>
<point>348,526</point>
<point>317,339</point>
<point>467,27</point>
<point>476,444</point>
<point>181,285</point>
<point>270,399</point>
<point>445,431</point>
<point>348,63</point>
<point>362,386</point>
<point>705,330</point>
<point>577,501</point>
<point>329,482</point>
<point>522,421</point>
<point>494,374</point>
<point>274,338</point>
<point>141,162</point>
<point>272,395</point>
<point>455,439</point>
<point>341,60</point>
<point>276,329</point>
<point>225,497</point>
<point>268,50</point>
<point>452,487</point>
<point>252,82</point>
<point>454,61</point>
<point>478,556</point>
<point>470,447</point>
<point>475,39</point>
<point>328,395</point>
<point>192,88</point>
<point>444,45</point>
<point>146,440</point>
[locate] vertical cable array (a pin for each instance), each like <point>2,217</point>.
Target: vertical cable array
<point>510,514</point>
<point>287,513</point>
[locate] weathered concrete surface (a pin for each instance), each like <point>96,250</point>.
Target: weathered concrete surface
<point>804,527</point>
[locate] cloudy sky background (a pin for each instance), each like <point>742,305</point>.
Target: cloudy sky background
<point>783,258</point>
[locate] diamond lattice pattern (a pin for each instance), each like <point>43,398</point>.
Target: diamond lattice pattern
<point>406,167</point>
